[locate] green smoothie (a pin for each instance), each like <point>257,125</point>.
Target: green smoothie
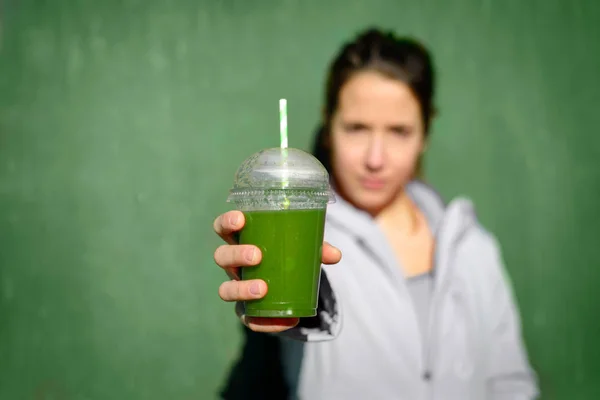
<point>291,242</point>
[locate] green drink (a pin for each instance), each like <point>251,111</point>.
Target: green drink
<point>291,243</point>
<point>284,195</point>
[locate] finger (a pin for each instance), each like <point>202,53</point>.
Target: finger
<point>331,255</point>
<point>269,325</point>
<point>226,225</point>
<point>242,290</point>
<point>231,256</point>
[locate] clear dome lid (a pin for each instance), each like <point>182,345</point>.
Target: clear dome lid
<point>278,179</point>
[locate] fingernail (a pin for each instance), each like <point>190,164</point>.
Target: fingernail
<point>255,288</point>
<point>234,219</point>
<point>250,255</point>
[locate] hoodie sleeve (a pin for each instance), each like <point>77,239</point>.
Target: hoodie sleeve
<point>326,324</point>
<point>322,327</point>
<point>510,375</point>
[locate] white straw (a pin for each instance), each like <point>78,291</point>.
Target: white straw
<point>283,136</point>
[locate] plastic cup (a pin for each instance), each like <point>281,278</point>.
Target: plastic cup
<point>283,194</point>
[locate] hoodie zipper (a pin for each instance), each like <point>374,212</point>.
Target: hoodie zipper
<point>429,335</point>
<point>431,339</point>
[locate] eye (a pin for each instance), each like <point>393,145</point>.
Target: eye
<point>402,130</point>
<point>355,127</point>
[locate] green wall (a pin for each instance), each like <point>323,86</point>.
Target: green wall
<point>122,123</point>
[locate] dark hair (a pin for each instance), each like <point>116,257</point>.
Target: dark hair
<point>403,59</point>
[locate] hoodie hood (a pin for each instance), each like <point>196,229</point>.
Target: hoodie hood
<point>426,198</point>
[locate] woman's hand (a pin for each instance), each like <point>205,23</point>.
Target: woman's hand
<point>233,256</point>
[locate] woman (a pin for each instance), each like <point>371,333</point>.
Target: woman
<point>419,307</point>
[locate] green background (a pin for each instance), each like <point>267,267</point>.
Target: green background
<point>122,123</point>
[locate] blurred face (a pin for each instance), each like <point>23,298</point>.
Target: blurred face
<point>377,135</point>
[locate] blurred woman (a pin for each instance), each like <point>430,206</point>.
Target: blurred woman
<point>419,307</point>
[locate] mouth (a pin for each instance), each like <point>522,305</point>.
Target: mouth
<point>373,183</point>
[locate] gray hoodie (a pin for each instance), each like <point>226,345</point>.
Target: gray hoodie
<point>367,342</point>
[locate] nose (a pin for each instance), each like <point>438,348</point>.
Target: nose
<point>375,153</point>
